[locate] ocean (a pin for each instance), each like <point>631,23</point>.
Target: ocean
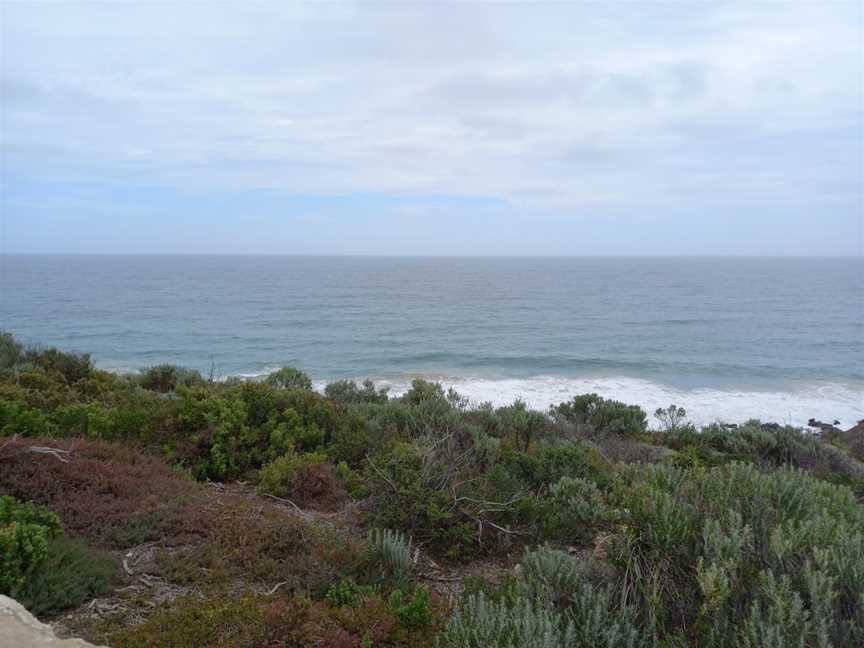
<point>779,339</point>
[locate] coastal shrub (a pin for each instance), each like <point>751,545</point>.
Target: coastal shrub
<point>280,476</point>
<point>550,461</point>
<point>354,439</point>
<point>250,621</point>
<point>714,532</point>
<point>575,510</point>
<point>766,445</point>
<point>550,576</point>
<point>596,621</point>
<point>11,352</point>
<point>112,495</point>
<point>25,531</point>
<point>422,391</point>
<point>348,392</point>
<point>70,574</point>
<point>593,413</point>
<point>522,425</point>
<point>406,501</point>
<point>17,418</point>
<point>164,378</point>
<point>671,418</point>
<point>317,486</point>
<point>554,601</point>
<point>352,481</point>
<point>481,623</point>
<point>347,593</point>
<point>72,367</point>
<point>289,378</point>
<point>190,622</point>
<point>413,610</point>
<point>392,551</point>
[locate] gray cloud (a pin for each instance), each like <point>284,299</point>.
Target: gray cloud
<point>550,108</point>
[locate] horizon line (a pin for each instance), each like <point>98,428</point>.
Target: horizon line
<point>433,255</point>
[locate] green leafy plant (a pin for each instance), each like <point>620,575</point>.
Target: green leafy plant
<point>70,574</point>
<point>25,532</point>
<point>289,378</point>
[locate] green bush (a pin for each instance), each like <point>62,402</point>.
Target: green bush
<point>25,532</point>
<point>413,613</point>
<point>524,426</point>
<point>289,378</point>
<point>164,378</point>
<point>70,574</point>
<point>347,593</point>
<point>72,367</point>
<point>407,501</point>
<point>598,414</point>
<point>348,392</point>
<point>278,477</point>
<point>11,352</point>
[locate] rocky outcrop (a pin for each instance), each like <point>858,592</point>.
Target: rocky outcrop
<point>20,629</point>
<point>825,428</point>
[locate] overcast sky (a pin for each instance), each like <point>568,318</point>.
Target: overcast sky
<point>433,128</point>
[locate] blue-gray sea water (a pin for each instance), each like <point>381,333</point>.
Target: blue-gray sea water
<point>729,338</point>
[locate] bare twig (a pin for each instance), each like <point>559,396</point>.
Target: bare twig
<point>441,579</point>
<point>496,505</point>
<point>11,440</point>
<point>276,587</point>
<point>286,501</point>
<point>381,473</point>
<point>57,453</point>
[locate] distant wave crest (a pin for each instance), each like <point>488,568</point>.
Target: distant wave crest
<point>824,401</point>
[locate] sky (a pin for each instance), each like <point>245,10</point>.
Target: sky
<point>559,128</point>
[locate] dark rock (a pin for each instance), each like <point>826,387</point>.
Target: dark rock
<point>825,428</point>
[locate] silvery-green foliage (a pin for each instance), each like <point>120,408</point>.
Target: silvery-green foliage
<point>550,576</point>
<point>724,549</point>
<point>779,618</point>
<point>597,623</point>
<point>555,606</point>
<point>393,550</point>
<point>581,501</point>
<point>482,623</point>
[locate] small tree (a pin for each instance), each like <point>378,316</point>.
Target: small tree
<point>289,378</point>
<point>672,418</point>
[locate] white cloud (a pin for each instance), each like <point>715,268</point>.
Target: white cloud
<point>552,106</point>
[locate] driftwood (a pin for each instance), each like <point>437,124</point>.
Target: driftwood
<point>58,453</point>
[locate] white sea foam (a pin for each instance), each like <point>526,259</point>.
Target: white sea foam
<point>823,401</point>
<point>252,375</point>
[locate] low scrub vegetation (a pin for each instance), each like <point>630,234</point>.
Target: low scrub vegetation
<point>273,515</point>
<point>45,570</point>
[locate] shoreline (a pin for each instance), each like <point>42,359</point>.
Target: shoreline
<point>795,405</point>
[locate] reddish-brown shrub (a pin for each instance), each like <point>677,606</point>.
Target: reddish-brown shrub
<point>226,619</point>
<point>257,541</point>
<point>316,487</point>
<point>114,496</point>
